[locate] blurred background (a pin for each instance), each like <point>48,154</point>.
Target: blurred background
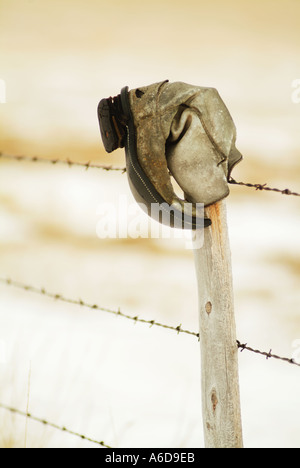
<point>132,385</point>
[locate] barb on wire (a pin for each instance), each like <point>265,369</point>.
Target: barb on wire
<point>264,187</point>
<point>55,426</point>
<point>66,162</point>
<point>135,319</point>
<point>268,355</point>
<point>88,165</point>
<point>81,303</point>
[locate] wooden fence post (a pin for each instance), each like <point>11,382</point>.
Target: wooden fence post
<point>189,131</point>
<point>219,352</point>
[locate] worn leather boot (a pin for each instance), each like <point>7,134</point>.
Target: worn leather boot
<point>173,128</point>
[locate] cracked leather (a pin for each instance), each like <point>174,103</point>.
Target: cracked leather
<point>187,131</point>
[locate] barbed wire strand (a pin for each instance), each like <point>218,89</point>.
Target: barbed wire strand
<point>267,354</point>
<point>66,162</point>
<point>264,187</point>
<point>135,319</point>
<point>88,165</point>
<point>82,303</point>
<point>54,426</point>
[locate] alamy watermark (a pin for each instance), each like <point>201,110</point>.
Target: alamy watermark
<point>296,93</point>
<point>2,92</point>
<point>126,219</point>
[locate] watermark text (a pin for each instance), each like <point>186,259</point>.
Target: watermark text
<point>134,220</point>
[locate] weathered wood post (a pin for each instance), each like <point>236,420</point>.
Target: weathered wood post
<point>219,352</point>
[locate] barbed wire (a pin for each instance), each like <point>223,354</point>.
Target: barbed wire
<point>267,354</point>
<point>81,303</point>
<point>178,329</point>
<point>66,162</point>
<point>264,187</point>
<point>88,165</point>
<point>53,425</point>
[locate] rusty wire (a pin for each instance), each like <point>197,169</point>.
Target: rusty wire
<point>136,319</point>
<point>80,302</point>
<point>268,355</point>
<point>264,187</point>
<point>66,162</point>
<point>88,165</point>
<point>54,426</point>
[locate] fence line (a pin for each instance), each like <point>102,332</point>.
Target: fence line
<point>264,187</point>
<point>66,162</point>
<point>81,303</point>
<point>50,424</point>
<point>135,319</point>
<point>88,165</point>
<point>268,355</point>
